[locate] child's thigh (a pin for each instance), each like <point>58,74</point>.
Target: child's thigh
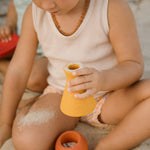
<point>41,125</point>
<point>120,102</point>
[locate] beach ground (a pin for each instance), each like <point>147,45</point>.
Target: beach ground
<point>93,135</point>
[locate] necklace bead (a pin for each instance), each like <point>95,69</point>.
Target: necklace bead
<point>79,22</point>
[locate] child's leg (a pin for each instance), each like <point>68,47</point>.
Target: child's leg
<point>131,109</point>
<point>4,65</point>
<point>38,128</point>
<point>38,77</point>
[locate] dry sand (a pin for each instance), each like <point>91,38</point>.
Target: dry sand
<point>93,135</point>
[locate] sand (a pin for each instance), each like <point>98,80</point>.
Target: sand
<point>93,135</point>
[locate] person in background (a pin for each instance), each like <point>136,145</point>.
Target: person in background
<point>37,80</point>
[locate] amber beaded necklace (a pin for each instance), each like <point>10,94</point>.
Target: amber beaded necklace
<point>79,23</point>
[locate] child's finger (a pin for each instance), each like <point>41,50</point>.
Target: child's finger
<point>4,36</point>
<point>80,80</point>
<point>83,71</point>
<point>86,94</point>
<point>7,34</point>
<point>80,87</point>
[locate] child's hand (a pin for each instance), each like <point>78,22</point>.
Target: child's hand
<point>5,33</point>
<point>5,133</point>
<point>89,79</point>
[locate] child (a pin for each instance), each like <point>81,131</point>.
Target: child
<point>16,9</point>
<point>102,35</point>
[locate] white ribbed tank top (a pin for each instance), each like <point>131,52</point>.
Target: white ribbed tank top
<point>89,45</point>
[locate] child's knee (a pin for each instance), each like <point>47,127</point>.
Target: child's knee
<point>28,129</point>
<point>35,84</point>
<point>29,141</point>
<point>140,90</point>
<point>28,138</point>
<point>23,141</point>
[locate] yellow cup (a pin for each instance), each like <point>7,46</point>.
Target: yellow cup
<point>70,105</point>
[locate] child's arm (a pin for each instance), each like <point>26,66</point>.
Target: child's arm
<point>124,39</point>
<point>19,70</point>
<point>11,23</point>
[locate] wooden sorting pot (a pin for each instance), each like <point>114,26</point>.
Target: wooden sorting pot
<point>71,136</point>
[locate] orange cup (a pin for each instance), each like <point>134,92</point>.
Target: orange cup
<point>70,105</point>
<point>79,141</point>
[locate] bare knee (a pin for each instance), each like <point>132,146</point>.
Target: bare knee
<point>120,102</point>
<point>28,133</point>
<point>23,141</point>
<point>36,82</point>
<point>38,128</point>
<point>140,90</point>
<point>29,139</point>
<point>38,77</point>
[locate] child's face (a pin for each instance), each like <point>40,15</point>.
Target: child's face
<point>57,7</point>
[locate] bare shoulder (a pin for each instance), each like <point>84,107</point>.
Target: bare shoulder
<point>118,3</point>
<point>28,10</point>
<point>123,31</point>
<point>27,23</point>
<point>121,6</point>
<point>28,34</point>
<point>119,11</point>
